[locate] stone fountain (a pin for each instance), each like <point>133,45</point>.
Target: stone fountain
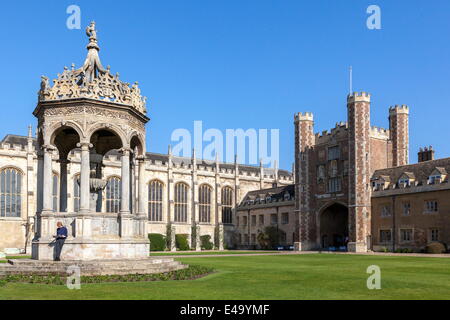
<point>96,183</point>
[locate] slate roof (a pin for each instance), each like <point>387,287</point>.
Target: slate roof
<point>276,194</point>
<point>420,171</point>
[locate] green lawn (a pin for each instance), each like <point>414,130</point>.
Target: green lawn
<point>14,258</point>
<point>314,276</point>
<point>201,253</point>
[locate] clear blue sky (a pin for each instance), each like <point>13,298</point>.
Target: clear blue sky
<point>241,64</point>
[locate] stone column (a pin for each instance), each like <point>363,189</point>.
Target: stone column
<point>84,177</point>
<point>46,221</point>
<point>198,243</point>
<point>173,246</point>
<point>63,185</point>
<point>126,227</point>
<point>141,193</point>
<point>170,189</point>
<point>194,194</point>
<point>125,181</point>
<point>47,179</point>
<point>142,207</point>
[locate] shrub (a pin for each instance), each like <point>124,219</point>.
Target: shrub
<point>206,242</point>
<point>435,248</point>
<point>190,273</point>
<point>169,236</point>
<point>157,242</point>
<point>182,242</point>
<point>194,243</point>
<point>269,238</point>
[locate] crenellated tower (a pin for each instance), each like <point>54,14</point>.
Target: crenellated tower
<point>304,142</point>
<point>359,206</point>
<point>399,134</point>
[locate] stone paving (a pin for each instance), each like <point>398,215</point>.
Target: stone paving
<point>91,268</point>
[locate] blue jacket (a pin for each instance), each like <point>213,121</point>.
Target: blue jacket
<point>61,233</point>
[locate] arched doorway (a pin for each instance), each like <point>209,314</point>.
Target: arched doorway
<point>334,226</point>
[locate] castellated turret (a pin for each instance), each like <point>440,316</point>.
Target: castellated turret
<point>399,134</point>
<point>304,142</point>
<point>358,106</point>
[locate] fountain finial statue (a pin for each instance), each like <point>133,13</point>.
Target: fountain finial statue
<point>91,32</point>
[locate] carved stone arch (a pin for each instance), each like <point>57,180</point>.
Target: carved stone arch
<point>333,224</point>
<point>206,184</point>
<point>109,127</point>
<point>106,137</point>
<point>67,123</point>
<point>64,135</point>
<point>137,140</point>
<point>157,180</point>
<point>329,204</point>
<point>112,176</point>
<point>182,181</point>
<point>11,167</point>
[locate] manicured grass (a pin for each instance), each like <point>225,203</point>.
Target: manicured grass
<point>198,253</point>
<point>287,277</point>
<point>14,258</point>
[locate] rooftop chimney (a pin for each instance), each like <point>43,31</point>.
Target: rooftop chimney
<point>426,154</point>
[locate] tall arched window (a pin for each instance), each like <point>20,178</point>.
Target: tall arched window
<point>181,202</point>
<point>227,205</point>
<point>113,194</point>
<point>10,193</point>
<point>55,192</point>
<point>155,200</point>
<point>204,200</point>
<point>76,194</point>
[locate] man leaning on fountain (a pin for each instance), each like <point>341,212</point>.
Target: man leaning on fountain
<point>60,238</point>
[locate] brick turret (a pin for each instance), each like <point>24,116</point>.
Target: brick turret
<point>304,141</point>
<point>358,105</point>
<point>399,130</point>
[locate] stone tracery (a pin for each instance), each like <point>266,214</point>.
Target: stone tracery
<point>92,81</point>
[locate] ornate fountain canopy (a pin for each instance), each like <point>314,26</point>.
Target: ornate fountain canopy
<point>92,81</point>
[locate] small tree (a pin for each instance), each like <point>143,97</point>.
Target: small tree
<point>181,241</point>
<point>269,238</point>
<point>194,236</point>
<point>169,236</point>
<point>157,242</point>
<point>263,240</point>
<point>206,242</point>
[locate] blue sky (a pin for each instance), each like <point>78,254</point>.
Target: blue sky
<point>241,64</point>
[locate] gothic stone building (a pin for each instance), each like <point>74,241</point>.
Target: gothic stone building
<point>88,168</point>
<point>354,187</point>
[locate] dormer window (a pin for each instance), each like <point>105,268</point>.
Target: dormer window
<point>268,199</point>
<point>406,180</point>
<point>287,197</point>
<point>437,176</point>
<point>380,183</point>
<point>435,179</point>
